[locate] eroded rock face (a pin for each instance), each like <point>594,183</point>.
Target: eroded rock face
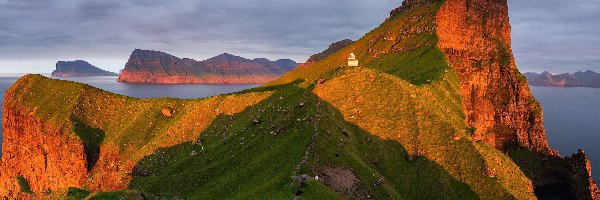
<point>582,176</point>
<point>157,67</point>
<point>475,36</point>
<point>39,152</point>
<point>335,47</point>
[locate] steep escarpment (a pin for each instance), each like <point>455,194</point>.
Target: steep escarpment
<point>577,79</point>
<point>475,36</point>
<point>38,153</point>
<point>157,67</point>
<point>79,68</point>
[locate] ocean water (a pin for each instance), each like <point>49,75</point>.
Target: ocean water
<point>572,120</point>
<point>571,115</point>
<point>182,91</point>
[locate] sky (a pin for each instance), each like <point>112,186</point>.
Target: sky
<point>554,35</point>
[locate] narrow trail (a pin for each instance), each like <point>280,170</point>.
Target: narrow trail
<point>313,140</point>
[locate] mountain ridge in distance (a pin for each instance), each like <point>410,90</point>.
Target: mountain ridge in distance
<point>578,79</point>
<point>147,66</point>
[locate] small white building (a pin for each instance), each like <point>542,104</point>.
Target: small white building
<point>352,62</point>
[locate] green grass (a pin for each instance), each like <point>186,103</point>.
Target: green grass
<point>77,194</point>
<point>405,46</point>
<point>24,184</point>
<point>242,160</point>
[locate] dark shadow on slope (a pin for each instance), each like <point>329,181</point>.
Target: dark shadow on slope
<point>550,174</point>
<point>91,137</point>
<point>256,153</point>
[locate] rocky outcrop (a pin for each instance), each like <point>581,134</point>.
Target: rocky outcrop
<point>581,176</point>
<point>475,36</point>
<point>497,101</point>
<point>577,79</point>
<point>79,68</point>
<point>146,66</point>
<point>409,5</point>
<point>39,152</point>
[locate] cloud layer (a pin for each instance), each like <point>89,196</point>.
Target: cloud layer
<point>38,32</point>
<point>34,34</point>
<point>556,35</point>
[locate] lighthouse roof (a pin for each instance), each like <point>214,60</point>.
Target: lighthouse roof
<point>352,56</point>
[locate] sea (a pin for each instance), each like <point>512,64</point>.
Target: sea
<point>571,115</point>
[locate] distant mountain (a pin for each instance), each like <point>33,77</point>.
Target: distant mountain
<point>79,68</point>
<point>577,79</point>
<point>146,66</point>
<point>335,47</point>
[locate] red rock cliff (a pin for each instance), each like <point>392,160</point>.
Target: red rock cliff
<point>475,35</point>
<point>39,152</point>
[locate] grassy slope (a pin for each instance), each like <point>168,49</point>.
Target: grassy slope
<point>401,113</point>
<point>404,46</point>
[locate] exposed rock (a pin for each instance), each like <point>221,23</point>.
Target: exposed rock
<point>146,66</point>
<point>167,112</point>
<point>582,177</point>
<point>39,152</point>
<point>79,68</point>
<point>343,181</point>
<point>408,5</point>
<point>475,35</point>
<point>577,79</point>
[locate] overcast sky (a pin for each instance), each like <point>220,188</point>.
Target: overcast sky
<point>557,35</point>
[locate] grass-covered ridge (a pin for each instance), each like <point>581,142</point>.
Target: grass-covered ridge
<point>404,45</point>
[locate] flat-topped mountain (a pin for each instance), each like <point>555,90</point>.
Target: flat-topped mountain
<point>436,109</point>
<point>145,66</point>
<point>577,79</point>
<point>79,68</point>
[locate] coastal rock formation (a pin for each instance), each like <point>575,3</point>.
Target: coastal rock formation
<point>475,35</point>
<point>38,152</point>
<point>577,79</point>
<point>146,66</point>
<point>79,68</point>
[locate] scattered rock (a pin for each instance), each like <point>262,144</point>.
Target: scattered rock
<point>168,112</point>
<point>379,182</point>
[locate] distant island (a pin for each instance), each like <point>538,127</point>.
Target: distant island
<point>79,68</point>
<point>146,66</point>
<point>577,79</point>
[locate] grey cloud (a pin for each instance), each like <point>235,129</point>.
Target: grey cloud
<point>555,35</point>
<point>100,30</point>
<point>547,34</point>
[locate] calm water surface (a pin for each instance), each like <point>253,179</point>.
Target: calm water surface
<point>571,115</point>
<point>182,91</point>
<point>572,119</point>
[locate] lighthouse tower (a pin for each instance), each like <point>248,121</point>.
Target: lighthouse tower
<point>352,62</point>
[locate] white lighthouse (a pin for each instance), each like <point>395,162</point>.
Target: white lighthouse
<point>352,62</point>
